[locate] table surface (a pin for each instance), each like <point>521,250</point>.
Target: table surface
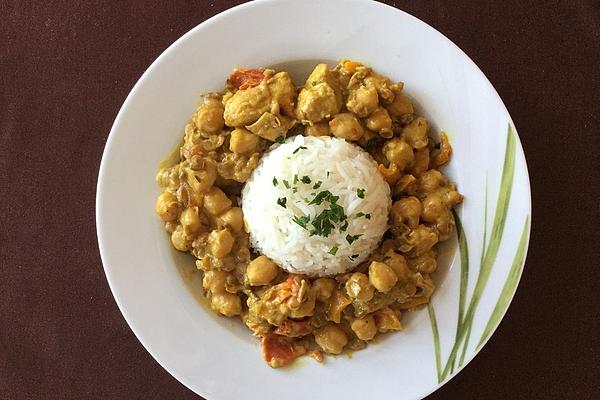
<point>65,70</point>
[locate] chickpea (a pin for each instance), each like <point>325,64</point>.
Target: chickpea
<point>215,281</point>
<point>422,239</point>
<point>364,328</point>
<point>358,287</point>
<point>331,338</point>
<point>382,276</point>
<point>421,162</point>
<point>201,179</point>
<point>425,263</point>
<point>180,240</point>
<point>227,304</point>
<point>318,129</point>
<point>415,133</point>
<point>407,211</point>
<point>167,206</point>
<point>433,208</point>
<point>430,181</point>
<point>380,121</point>
<point>398,264</point>
<point>209,117</point>
<point>243,141</point>
<point>204,264</point>
<point>383,85</point>
<point>261,271</point>
<point>362,101</point>
<point>221,242</point>
<point>400,106</point>
<point>391,174</point>
<point>232,218</point>
<point>399,152</point>
<point>346,126</point>
<point>216,201</point>
<point>323,288</point>
<point>190,220</point>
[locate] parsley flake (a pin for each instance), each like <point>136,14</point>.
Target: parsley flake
<point>286,184</point>
<point>300,148</point>
<point>360,193</point>
<point>280,140</point>
<point>318,185</point>
<point>274,181</point>
<point>282,201</point>
<point>302,221</point>
<point>344,226</point>
<point>333,250</point>
<point>305,179</point>
<point>350,238</point>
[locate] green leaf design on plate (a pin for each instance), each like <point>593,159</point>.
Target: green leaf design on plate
<point>436,340</point>
<point>487,260</point>
<point>509,285</point>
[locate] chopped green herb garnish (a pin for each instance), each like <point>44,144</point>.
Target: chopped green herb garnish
<point>302,221</point>
<point>300,148</point>
<point>313,83</point>
<point>351,238</point>
<point>344,226</point>
<point>333,250</point>
<point>318,185</point>
<point>274,181</point>
<point>280,139</point>
<point>328,174</point>
<point>294,190</point>
<point>295,178</point>
<point>286,184</point>
<point>362,214</point>
<point>360,193</point>
<point>282,201</point>
<point>320,197</point>
<point>305,179</point>
<point>354,256</point>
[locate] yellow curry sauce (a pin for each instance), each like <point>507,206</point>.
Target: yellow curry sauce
<point>295,314</point>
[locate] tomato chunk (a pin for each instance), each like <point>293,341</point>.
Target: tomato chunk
<point>277,351</point>
<point>246,78</point>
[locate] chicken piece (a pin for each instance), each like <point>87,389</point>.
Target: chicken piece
<point>246,106</point>
<point>283,92</point>
<point>317,103</point>
<point>270,126</point>
<point>321,96</point>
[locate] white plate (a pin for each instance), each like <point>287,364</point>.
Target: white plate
<point>217,357</point>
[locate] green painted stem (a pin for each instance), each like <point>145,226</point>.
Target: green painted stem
<point>436,341</point>
<point>491,252</point>
<point>509,286</point>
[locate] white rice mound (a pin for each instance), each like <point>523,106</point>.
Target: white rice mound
<point>343,169</point>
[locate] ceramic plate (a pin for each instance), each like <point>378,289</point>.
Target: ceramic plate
<point>156,288</point>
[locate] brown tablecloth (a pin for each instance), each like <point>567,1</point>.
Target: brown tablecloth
<point>66,68</point>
